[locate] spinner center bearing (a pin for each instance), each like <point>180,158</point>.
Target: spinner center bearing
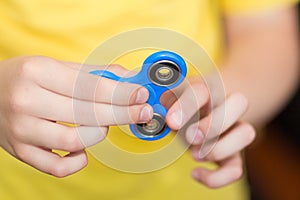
<point>154,127</point>
<point>164,73</point>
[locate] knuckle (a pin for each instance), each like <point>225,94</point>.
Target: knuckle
<point>237,173</point>
<point>59,170</point>
<point>20,152</point>
<point>209,182</point>
<point>29,64</point>
<point>19,100</point>
<point>70,142</point>
<point>26,66</point>
<point>17,131</point>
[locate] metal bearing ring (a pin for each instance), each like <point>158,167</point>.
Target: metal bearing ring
<point>164,73</point>
<point>154,127</point>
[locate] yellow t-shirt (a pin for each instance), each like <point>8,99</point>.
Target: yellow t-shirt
<point>70,30</point>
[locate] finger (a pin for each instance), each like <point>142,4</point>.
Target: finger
<point>55,107</point>
<point>234,140</point>
<point>114,68</point>
<point>219,120</point>
<point>51,163</point>
<point>168,99</point>
<point>57,77</point>
<point>192,99</point>
<point>229,171</point>
<point>50,135</point>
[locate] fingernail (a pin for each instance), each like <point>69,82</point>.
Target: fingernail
<point>177,117</point>
<point>142,95</point>
<point>145,115</point>
<point>196,136</point>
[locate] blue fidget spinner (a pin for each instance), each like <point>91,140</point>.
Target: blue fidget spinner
<point>160,72</point>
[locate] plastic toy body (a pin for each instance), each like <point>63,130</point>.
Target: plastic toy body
<point>160,72</point>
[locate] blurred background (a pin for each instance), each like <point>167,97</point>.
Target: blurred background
<point>273,160</point>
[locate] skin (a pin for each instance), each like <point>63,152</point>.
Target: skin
<point>262,64</point>
<point>29,95</point>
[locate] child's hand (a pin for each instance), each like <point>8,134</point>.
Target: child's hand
<point>38,91</point>
<point>234,136</point>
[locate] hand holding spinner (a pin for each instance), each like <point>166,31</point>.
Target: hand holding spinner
<point>160,72</point>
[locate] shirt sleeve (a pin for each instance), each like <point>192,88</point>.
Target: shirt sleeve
<point>251,6</point>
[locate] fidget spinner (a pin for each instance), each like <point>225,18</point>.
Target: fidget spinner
<point>161,71</point>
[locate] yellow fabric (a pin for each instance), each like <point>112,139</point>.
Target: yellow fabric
<point>247,7</point>
<point>69,30</point>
